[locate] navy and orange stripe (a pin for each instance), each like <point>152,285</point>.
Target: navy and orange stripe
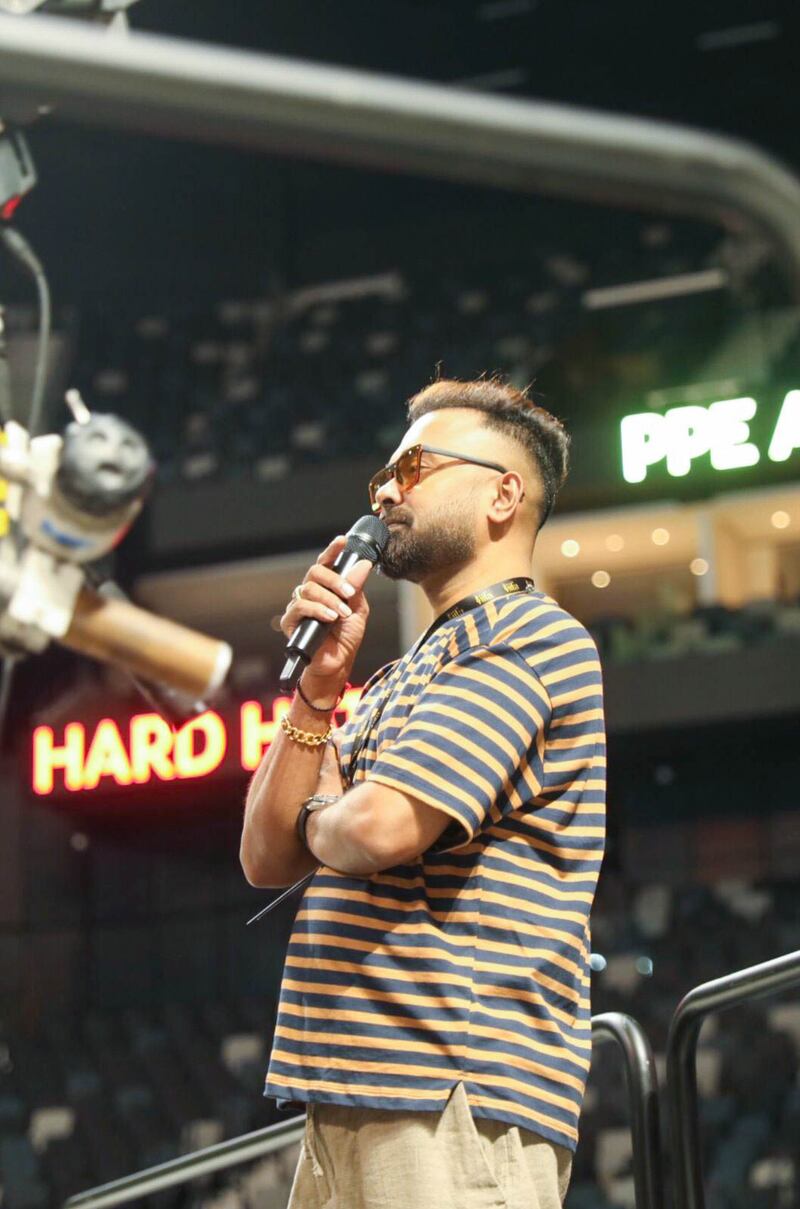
<point>472,963</point>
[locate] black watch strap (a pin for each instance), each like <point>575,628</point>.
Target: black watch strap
<point>316,802</point>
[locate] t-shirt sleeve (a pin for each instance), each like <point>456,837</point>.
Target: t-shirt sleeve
<point>474,740</point>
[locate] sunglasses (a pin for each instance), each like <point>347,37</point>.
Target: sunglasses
<point>407,468</point>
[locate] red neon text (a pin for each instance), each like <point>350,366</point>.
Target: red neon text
<point>150,749</point>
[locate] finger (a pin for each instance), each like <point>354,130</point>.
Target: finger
<point>332,551</point>
<point>359,574</point>
<point>307,608</point>
<point>329,579</point>
<point>315,593</point>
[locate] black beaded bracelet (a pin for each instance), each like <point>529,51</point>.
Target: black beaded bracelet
<point>326,709</point>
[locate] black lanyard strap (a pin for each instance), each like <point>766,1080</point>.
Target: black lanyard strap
<point>506,587</point>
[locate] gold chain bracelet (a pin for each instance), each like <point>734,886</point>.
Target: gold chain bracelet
<point>305,738</point>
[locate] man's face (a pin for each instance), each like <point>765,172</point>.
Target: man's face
<point>435,525</point>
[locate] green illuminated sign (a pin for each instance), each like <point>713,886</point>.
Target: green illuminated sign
<point>722,430</point>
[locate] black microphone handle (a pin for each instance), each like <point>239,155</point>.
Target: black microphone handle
<point>310,633</point>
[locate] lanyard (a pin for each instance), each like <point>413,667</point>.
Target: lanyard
<point>508,587</point>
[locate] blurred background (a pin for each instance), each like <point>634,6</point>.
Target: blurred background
<point>262,320</point>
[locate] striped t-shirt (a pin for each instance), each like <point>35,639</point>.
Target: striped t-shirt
<point>471,963</point>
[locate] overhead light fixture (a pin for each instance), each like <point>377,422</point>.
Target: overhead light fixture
<point>698,566</point>
<point>634,292</point>
<point>780,519</point>
<point>738,35</point>
<point>491,81</point>
<point>660,537</point>
<point>570,548</point>
<point>601,579</point>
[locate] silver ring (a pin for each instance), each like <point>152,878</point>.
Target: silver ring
<point>297,592</point>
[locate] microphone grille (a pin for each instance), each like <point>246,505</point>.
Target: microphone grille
<point>368,537</point>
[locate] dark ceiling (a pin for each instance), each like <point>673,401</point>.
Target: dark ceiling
<point>726,64</point>
<point>119,216</point>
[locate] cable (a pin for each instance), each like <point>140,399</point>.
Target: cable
<point>23,253</point>
<point>25,256</point>
<point>7,670</point>
<point>6,409</point>
<point>301,881</point>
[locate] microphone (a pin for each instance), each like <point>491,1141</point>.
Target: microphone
<point>367,539</point>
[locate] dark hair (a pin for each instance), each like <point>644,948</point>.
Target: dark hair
<point>512,412</point>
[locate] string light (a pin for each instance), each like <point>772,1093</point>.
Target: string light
<point>601,579</point>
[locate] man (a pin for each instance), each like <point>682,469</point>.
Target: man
<point>434,1012</point>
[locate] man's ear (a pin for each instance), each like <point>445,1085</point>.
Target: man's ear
<point>509,494</point>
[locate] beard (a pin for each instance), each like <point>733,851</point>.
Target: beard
<point>447,540</point>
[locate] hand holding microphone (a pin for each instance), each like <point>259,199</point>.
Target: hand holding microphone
<point>327,615</point>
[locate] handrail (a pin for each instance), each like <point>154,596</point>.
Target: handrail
<point>642,1083</point>
<point>191,1166</point>
<point>202,92</point>
<point>768,978</point>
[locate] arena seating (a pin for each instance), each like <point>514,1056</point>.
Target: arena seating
<point>87,1100</point>
<point>707,629</point>
<point>253,387</point>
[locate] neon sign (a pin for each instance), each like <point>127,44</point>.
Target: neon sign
<point>149,749</point>
<point>722,430</point>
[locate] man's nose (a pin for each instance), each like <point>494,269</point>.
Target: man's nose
<point>388,492</point>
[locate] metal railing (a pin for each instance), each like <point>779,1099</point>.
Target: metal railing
<point>642,1086</point>
<point>769,978</point>
<point>294,107</point>
<point>642,1083</point>
<point>191,1166</point>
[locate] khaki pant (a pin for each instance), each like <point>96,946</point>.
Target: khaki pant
<point>363,1158</point>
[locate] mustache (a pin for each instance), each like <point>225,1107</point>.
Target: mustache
<point>396,517</point>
